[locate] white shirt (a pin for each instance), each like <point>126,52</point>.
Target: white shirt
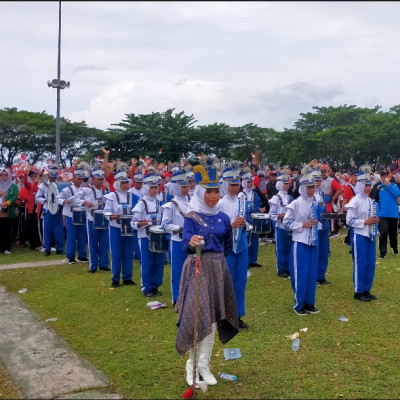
<point>173,219</point>
<point>359,208</point>
<point>92,195</point>
<point>298,212</point>
<point>139,213</point>
<point>278,204</point>
<point>68,193</point>
<point>112,206</point>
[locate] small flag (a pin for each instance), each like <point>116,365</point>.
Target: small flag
<point>160,151</point>
<point>253,155</point>
<point>23,157</point>
<point>98,157</point>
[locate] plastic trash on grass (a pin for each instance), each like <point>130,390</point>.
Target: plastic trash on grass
<point>343,318</point>
<point>51,319</point>
<point>232,353</point>
<point>154,305</point>
<point>24,290</point>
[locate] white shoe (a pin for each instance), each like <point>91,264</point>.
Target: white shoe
<point>52,249</point>
<point>205,350</point>
<point>7,252</point>
<point>189,369</point>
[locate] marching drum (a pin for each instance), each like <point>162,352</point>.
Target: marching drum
<point>158,242</point>
<point>261,223</point>
<point>79,216</point>
<point>126,227</point>
<point>99,220</point>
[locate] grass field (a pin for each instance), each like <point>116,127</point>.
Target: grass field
<point>135,346</point>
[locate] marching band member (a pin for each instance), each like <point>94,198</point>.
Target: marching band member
<point>234,205</point>
<point>118,203</point>
<point>137,194</point>
<point>254,203</point>
<point>92,197</point>
<point>148,212</point>
<point>302,218</point>
<point>205,223</point>
<point>172,222</point>
<point>76,234</point>
<point>283,236</point>
<point>361,216</point>
<point>323,234</point>
<point>53,228</point>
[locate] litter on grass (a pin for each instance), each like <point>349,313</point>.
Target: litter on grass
<point>24,290</point>
<point>249,273</point>
<point>303,329</point>
<point>343,318</point>
<point>293,336</point>
<point>154,305</point>
<point>232,354</point>
<point>51,319</point>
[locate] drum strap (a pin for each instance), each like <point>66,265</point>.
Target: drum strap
<point>158,218</point>
<point>129,196</point>
<point>177,206</point>
<point>99,198</point>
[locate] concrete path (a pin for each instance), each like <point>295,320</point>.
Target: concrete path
<point>40,363</point>
<point>34,264</point>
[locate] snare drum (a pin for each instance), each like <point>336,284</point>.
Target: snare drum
<point>158,242</point>
<point>126,227</point>
<point>99,220</point>
<point>261,223</point>
<point>79,216</point>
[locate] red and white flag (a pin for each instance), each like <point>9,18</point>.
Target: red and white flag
<point>160,151</point>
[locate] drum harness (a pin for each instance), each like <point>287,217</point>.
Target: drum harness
<point>99,203</point>
<point>157,213</point>
<point>124,209</point>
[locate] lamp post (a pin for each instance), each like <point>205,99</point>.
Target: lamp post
<point>58,84</point>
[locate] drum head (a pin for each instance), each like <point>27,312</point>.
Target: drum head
<point>156,229</point>
<point>52,192</point>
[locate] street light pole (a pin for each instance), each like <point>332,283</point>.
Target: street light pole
<point>58,122</point>
<point>58,84</point>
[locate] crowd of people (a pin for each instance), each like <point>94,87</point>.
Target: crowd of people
<point>207,221</point>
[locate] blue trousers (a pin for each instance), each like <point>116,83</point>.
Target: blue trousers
<point>238,266</point>
<point>323,253</point>
<point>53,228</point>
<point>253,248</point>
<point>151,266</point>
<point>76,237</point>
<point>98,246</point>
<point>136,248</point>
<point>177,259</point>
<point>303,274</point>
<point>283,244</point>
<point>363,251</point>
<point>121,254</point>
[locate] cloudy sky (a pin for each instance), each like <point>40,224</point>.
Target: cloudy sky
<point>223,62</point>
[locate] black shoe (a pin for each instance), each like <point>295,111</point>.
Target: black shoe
<point>242,324</point>
<point>149,294</point>
<point>382,256</point>
<point>323,282</point>
<point>371,296</point>
<point>301,312</point>
<point>156,292</point>
<point>72,261</point>
<point>59,252</point>
<point>129,282</point>
<point>114,284</point>
<point>395,252</point>
<point>104,269</point>
<point>311,309</point>
<point>46,253</point>
<point>283,274</point>
<point>83,259</point>
<point>92,271</point>
<point>348,244</point>
<point>255,265</point>
<point>334,234</point>
<point>361,297</point>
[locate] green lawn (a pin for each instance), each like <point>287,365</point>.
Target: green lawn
<point>135,346</point>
